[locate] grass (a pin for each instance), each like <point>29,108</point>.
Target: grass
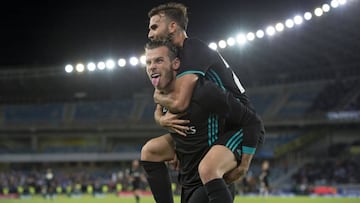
<point>147,199</point>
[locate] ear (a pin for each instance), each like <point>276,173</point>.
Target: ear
<point>172,26</point>
<point>176,64</point>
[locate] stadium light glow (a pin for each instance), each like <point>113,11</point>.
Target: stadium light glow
<point>279,27</point>
<point>91,66</point>
<point>260,34</point>
<point>270,30</point>
<point>101,65</point>
<point>121,62</point>
<point>334,3</point>
<point>222,44</point>
<point>213,46</point>
<point>289,23</point>
<point>298,20</point>
<point>325,8</point>
<point>80,67</point>
<point>69,68</point>
<point>307,16</point>
<point>250,36</point>
<point>230,41</point>
<point>241,39</point>
<point>318,12</point>
<point>110,64</point>
<point>134,61</point>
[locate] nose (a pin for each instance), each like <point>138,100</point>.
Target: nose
<point>150,67</point>
<point>150,35</point>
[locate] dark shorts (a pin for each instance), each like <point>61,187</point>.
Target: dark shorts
<point>244,140</point>
<point>253,132</point>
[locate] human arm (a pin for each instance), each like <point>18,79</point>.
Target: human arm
<point>211,97</point>
<point>179,99</point>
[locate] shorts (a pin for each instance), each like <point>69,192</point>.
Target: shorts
<point>253,133</point>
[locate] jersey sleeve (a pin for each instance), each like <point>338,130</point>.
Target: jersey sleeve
<point>211,97</point>
<point>195,58</point>
<point>215,100</point>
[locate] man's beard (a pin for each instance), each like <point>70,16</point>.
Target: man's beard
<point>167,37</point>
<point>170,37</point>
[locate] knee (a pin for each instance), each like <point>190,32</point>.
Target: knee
<point>207,172</point>
<point>157,150</point>
<point>149,151</point>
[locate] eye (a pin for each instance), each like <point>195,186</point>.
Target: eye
<point>153,27</point>
<point>159,60</point>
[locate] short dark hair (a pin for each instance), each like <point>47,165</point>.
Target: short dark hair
<point>173,50</point>
<point>175,11</point>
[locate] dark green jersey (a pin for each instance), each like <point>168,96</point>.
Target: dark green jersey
<point>209,107</point>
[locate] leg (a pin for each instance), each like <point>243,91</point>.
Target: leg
<point>158,149</point>
<point>153,155</point>
<point>216,163</point>
<point>212,168</point>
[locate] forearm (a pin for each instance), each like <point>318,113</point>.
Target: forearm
<point>179,98</point>
<point>158,114</point>
<point>168,101</point>
<point>245,162</point>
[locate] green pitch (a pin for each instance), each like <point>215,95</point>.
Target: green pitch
<point>113,199</point>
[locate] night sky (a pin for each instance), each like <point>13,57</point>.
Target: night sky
<point>58,32</point>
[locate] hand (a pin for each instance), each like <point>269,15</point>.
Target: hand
<point>173,123</point>
<point>175,163</point>
<point>157,95</point>
<point>235,174</point>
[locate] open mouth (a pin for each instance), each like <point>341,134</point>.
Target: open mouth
<point>155,78</point>
<point>155,75</point>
